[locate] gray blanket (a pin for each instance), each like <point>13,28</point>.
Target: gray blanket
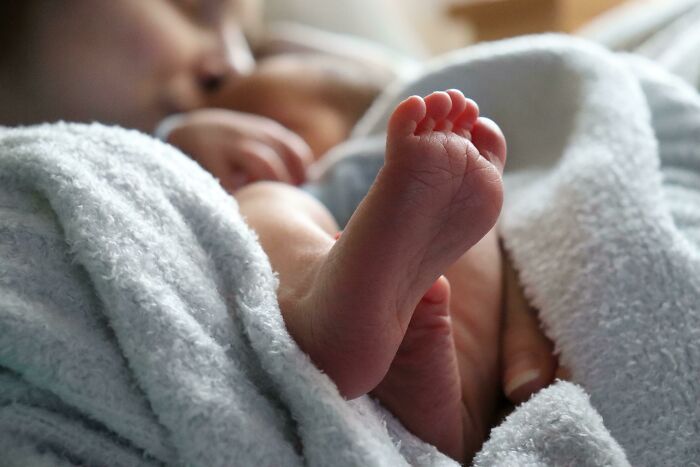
<point>138,320</point>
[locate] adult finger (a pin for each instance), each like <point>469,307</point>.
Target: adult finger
<point>527,359</point>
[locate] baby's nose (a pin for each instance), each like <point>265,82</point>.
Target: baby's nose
<point>211,75</point>
<point>230,58</point>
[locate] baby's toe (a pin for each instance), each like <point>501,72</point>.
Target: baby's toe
<point>438,107</point>
<point>459,104</point>
<point>489,140</point>
<point>466,120</point>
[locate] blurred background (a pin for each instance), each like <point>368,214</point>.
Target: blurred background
<point>421,28</point>
<point>409,31</point>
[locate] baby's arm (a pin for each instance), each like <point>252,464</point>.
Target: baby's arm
<point>239,148</point>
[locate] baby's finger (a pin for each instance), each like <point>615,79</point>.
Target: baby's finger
<point>260,162</point>
<point>527,356</point>
<point>295,152</point>
<point>221,168</point>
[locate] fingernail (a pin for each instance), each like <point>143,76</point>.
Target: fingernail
<point>520,380</point>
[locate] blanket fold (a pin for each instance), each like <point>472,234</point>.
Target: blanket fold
<point>138,318</point>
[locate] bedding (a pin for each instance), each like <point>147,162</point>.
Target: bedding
<point>138,318</point>
<point>602,220</point>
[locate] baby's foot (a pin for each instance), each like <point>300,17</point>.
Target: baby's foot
<point>439,192</point>
<point>436,196</point>
<point>422,387</point>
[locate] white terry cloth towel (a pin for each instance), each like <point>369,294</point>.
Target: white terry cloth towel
<point>602,220</point>
<point>139,324</point>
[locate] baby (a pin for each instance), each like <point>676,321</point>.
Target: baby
<point>309,104</point>
<point>371,309</point>
<point>320,98</point>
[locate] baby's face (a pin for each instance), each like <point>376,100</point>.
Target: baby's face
<point>132,62</point>
<point>290,102</point>
<point>299,94</point>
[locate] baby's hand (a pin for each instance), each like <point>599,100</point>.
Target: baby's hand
<point>239,148</point>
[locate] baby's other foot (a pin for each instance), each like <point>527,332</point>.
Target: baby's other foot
<point>422,387</point>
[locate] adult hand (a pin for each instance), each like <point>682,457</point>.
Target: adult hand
<point>239,148</point>
<point>527,360</point>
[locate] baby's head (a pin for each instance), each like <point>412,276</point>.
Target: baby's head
<point>129,62</point>
<point>319,97</point>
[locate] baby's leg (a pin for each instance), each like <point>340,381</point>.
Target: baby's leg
<point>422,385</point>
<point>436,196</point>
<point>349,304</point>
<point>297,233</point>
